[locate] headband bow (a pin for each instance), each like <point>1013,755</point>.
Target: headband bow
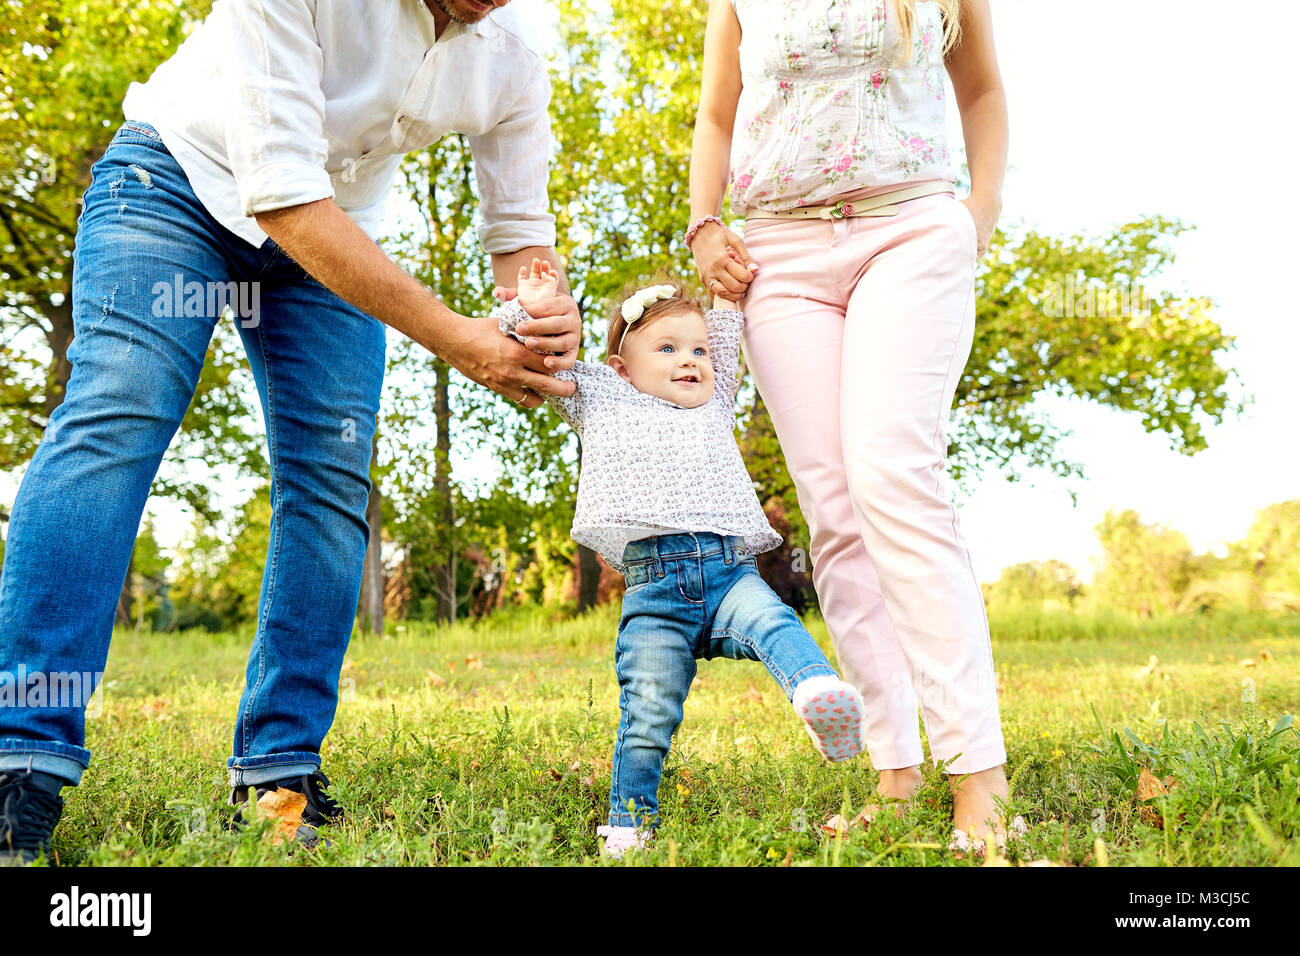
<point>634,307</point>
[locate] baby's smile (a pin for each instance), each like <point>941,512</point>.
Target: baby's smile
<point>669,359</point>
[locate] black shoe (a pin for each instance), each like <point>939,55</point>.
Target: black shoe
<point>320,810</point>
<point>30,806</point>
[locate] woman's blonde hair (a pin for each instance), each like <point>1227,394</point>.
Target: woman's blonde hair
<point>949,10</point>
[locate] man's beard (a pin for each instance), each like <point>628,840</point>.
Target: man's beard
<point>446,7</point>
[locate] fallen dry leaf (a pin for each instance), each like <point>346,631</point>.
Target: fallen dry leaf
<point>1265,656</point>
<point>435,680</point>
<point>753,693</point>
<point>1247,662</point>
<point>473,663</point>
<point>285,808</point>
<point>1149,785</point>
<point>157,708</point>
<point>835,826</point>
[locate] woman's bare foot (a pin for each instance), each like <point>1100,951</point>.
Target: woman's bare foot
<point>975,812</point>
<point>897,790</point>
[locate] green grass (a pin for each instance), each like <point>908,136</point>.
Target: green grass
<point>490,745</point>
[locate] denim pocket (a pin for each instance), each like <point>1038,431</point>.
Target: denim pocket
<point>638,576</point>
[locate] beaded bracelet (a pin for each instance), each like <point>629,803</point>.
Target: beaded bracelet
<point>690,233</point>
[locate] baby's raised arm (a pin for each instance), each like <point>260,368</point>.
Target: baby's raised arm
<point>725,322</point>
<point>568,406</point>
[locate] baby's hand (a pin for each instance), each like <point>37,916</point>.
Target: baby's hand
<point>537,283</point>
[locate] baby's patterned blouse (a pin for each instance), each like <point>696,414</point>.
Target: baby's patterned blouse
<point>823,114</point>
<point>652,467</point>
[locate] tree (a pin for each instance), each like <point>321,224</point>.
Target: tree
<point>219,574</point>
<point>1035,582</point>
<point>1147,567</point>
<point>64,68</point>
<point>1260,572</point>
<point>1074,318</point>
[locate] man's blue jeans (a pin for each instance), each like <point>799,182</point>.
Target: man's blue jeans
<point>689,596</point>
<point>150,265</point>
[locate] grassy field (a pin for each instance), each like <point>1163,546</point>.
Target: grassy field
<point>490,745</point>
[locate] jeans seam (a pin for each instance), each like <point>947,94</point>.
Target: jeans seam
<point>624,724</point>
<point>250,709</point>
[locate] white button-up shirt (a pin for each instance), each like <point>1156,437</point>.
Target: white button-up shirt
<point>274,103</point>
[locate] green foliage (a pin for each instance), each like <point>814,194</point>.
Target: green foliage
<point>1074,317</point>
<point>1035,582</point>
<point>146,581</point>
<point>220,575</point>
<point>65,66</point>
<point>1147,567</point>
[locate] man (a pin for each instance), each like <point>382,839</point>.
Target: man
<point>255,162</point>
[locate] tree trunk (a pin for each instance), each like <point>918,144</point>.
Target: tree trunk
<point>371,609</point>
<point>588,578</point>
<point>122,616</point>
<point>58,338</point>
<point>588,572</point>
<point>446,610</point>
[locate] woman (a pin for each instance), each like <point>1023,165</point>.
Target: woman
<point>857,269</point>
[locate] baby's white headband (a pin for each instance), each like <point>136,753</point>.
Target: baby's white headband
<point>634,307</point>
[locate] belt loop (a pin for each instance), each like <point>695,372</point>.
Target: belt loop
<point>659,564</point>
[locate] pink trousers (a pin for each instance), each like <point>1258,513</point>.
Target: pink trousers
<point>857,331</point>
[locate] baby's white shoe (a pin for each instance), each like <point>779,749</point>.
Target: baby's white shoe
<point>618,840</point>
<point>831,710</point>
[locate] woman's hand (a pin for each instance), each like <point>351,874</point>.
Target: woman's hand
<point>724,264</point>
<point>985,213</point>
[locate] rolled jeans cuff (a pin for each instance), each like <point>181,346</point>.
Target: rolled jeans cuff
<point>47,756</point>
<point>249,771</point>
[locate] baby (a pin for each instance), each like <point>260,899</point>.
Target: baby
<point>664,497</point>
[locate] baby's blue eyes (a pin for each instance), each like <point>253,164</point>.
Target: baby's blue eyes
<point>669,348</point>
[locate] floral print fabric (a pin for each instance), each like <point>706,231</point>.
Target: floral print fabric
<point>823,111</point>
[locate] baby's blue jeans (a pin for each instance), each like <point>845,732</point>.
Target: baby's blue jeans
<point>689,595</point>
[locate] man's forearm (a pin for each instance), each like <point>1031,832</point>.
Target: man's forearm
<point>321,238</point>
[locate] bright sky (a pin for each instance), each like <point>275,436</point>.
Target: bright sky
<point>1119,110</point>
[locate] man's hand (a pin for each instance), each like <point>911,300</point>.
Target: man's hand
<point>481,353</point>
<point>554,329</point>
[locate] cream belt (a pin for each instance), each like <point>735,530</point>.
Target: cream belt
<point>883,204</point>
